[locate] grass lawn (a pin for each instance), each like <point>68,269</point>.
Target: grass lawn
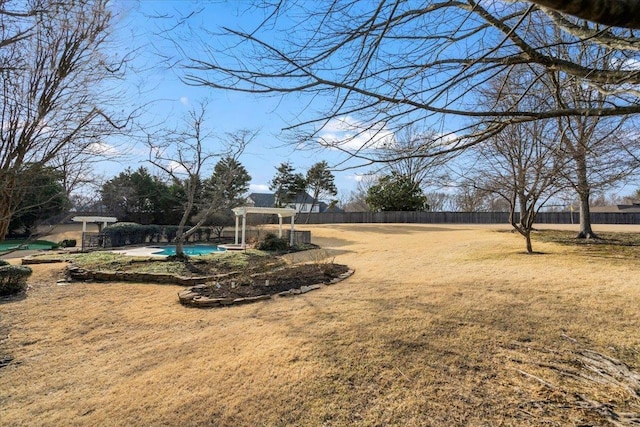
<point>440,325</point>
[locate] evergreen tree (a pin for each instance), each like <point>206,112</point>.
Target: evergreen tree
<point>396,193</point>
<point>287,184</point>
<point>320,181</point>
<point>230,179</point>
<point>43,197</point>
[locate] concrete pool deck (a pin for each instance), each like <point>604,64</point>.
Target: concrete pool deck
<point>148,251</point>
<point>143,251</point>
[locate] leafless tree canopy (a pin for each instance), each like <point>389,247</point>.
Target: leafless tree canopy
<point>391,64</point>
<point>183,154</point>
<point>55,67</point>
<point>408,155</point>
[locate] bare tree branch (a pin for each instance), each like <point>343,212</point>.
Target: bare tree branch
<point>620,13</point>
<point>394,63</point>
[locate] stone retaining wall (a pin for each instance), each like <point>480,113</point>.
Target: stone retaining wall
<point>76,273</point>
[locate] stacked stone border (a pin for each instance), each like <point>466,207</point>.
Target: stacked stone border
<point>80,274</point>
<point>193,296</point>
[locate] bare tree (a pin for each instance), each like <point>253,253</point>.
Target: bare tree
<point>391,64</point>
<point>183,156</point>
<point>601,152</point>
<point>440,201</point>
<point>409,154</point>
<point>470,196</point>
<point>521,166</point>
<point>356,201</point>
<point>17,21</point>
<point>55,88</point>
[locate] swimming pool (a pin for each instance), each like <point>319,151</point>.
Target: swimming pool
<point>26,244</point>
<point>190,250</point>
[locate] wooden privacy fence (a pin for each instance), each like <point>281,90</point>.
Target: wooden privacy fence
<point>462,218</point>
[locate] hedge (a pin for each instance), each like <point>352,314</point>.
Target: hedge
<point>130,233</point>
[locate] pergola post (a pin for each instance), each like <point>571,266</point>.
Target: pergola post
<point>292,230</point>
<point>245,210</point>
<point>101,221</point>
<point>237,223</point>
<point>244,228</point>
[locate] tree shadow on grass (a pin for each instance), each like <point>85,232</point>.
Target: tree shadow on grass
<point>7,299</point>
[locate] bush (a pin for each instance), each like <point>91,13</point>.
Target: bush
<point>68,243</point>
<point>271,242</point>
<point>4,262</point>
<point>13,279</point>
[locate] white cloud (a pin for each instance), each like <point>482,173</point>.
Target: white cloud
<point>350,134</point>
<point>259,188</point>
<point>102,149</point>
<point>359,177</point>
<point>630,64</point>
<point>184,100</point>
<point>176,167</point>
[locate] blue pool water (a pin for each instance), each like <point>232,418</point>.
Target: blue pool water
<point>190,250</point>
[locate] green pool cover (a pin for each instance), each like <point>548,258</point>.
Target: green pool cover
<point>24,245</point>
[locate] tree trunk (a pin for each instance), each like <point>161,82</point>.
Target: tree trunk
<point>527,236</point>
<point>316,193</point>
<point>584,192</point>
<point>180,234</point>
<point>7,201</point>
<point>585,219</point>
<point>5,218</point>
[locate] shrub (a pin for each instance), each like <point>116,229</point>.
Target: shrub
<point>4,262</point>
<point>68,243</point>
<point>13,279</point>
<point>271,242</point>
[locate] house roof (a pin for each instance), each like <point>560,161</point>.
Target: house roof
<point>263,200</point>
<point>616,208</point>
<point>328,208</point>
<point>303,198</point>
<point>268,200</point>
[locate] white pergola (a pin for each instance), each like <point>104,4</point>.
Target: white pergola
<point>281,212</point>
<point>104,220</point>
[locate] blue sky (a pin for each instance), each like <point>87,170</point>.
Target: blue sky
<point>169,100</point>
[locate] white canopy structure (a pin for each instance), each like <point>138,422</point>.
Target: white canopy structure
<point>281,212</point>
<point>104,220</point>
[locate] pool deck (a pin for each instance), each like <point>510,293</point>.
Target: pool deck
<point>143,251</point>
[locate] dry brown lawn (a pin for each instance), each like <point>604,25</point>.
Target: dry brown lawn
<point>439,326</point>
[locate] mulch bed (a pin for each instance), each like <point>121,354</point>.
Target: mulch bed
<point>255,287</point>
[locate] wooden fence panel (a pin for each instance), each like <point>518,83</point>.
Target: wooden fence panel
<point>465,218</point>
